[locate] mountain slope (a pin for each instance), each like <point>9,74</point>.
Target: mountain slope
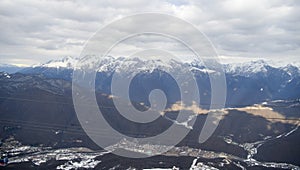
<point>247,83</point>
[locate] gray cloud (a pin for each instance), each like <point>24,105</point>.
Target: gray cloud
<point>36,31</point>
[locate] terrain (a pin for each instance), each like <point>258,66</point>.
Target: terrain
<point>259,127</point>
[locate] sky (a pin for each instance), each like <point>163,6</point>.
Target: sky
<point>35,31</point>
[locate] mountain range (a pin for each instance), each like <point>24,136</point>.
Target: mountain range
<point>259,129</point>
<point>247,83</point>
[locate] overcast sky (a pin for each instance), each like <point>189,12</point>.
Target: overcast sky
<point>35,31</point>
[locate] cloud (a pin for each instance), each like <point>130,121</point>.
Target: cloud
<point>43,30</point>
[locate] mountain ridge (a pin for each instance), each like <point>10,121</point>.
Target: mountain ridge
<point>111,63</point>
<point>108,63</point>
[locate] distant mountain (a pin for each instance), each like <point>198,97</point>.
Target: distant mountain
<point>8,68</point>
<point>247,83</point>
<point>247,68</point>
<point>37,109</point>
<point>111,63</point>
<point>66,62</point>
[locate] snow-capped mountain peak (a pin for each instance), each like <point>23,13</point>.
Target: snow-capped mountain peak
<point>66,62</point>
<point>291,69</point>
<point>134,64</point>
<point>247,68</point>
